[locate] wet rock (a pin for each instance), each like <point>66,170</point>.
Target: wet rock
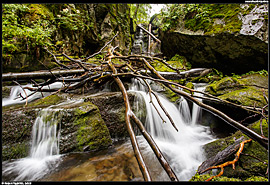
<point>16,132</point>
<point>112,110</point>
<point>226,52</point>
<point>248,90</point>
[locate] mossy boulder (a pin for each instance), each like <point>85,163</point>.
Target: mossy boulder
<point>82,127</point>
<point>112,110</point>
<point>247,97</point>
<point>92,133</point>
<point>47,101</point>
<point>248,90</point>
<point>189,85</point>
<point>222,86</point>
<point>16,132</point>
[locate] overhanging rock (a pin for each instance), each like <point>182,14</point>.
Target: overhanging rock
<point>229,53</point>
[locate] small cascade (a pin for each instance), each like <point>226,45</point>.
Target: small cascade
<point>44,152</point>
<point>140,43</point>
<point>183,149</point>
<point>17,93</point>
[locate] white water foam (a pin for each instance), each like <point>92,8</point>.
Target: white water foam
<point>183,149</point>
<point>44,153</point>
<point>15,97</point>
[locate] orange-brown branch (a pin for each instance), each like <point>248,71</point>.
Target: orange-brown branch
<point>229,162</point>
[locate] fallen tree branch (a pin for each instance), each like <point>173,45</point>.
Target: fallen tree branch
<point>128,115</point>
<point>229,162</point>
<point>149,33</point>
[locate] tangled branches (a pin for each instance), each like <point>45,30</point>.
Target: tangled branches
<point>114,66</point>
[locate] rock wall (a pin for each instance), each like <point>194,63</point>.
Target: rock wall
<point>76,29</point>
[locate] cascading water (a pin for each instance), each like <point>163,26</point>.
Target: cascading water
<point>44,152</point>
<point>183,149</point>
<point>15,92</point>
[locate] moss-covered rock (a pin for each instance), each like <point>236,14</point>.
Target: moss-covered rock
<point>112,110</point>
<point>248,97</point>
<point>199,178</point>
<point>48,100</point>
<point>189,85</point>
<point>81,125</point>
<point>16,132</point>
<point>222,86</point>
<point>256,178</point>
<point>247,90</point>
<point>92,132</point>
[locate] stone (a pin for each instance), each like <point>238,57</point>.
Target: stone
<point>225,52</point>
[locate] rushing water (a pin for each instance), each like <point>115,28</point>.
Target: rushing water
<point>182,149</point>
<point>17,93</point>
<point>44,152</point>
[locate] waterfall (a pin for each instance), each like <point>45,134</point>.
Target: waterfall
<point>183,149</point>
<point>17,91</point>
<point>44,152</point>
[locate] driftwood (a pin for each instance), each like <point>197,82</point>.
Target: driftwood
<point>221,166</point>
<point>130,114</point>
<point>221,156</point>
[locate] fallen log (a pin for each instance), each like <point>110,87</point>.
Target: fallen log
<point>40,74</point>
<point>49,74</point>
<point>221,156</point>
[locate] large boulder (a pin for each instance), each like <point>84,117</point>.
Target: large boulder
<point>231,38</point>
<point>226,52</point>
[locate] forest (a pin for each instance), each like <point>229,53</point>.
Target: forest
<point>113,92</point>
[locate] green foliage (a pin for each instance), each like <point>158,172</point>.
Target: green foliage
<point>70,18</point>
<point>142,15</point>
<point>203,16</point>
<point>24,27</point>
<point>171,14</point>
<point>262,72</point>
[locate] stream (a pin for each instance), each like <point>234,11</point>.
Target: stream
<point>182,149</point>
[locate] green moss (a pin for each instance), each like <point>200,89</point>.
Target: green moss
<point>256,178</point>
<point>257,128</point>
<point>92,131</point>
<point>49,100</point>
<point>222,86</point>
<point>189,85</point>
<point>253,163</point>
<point>248,97</point>
<point>204,177</point>
<point>171,95</point>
